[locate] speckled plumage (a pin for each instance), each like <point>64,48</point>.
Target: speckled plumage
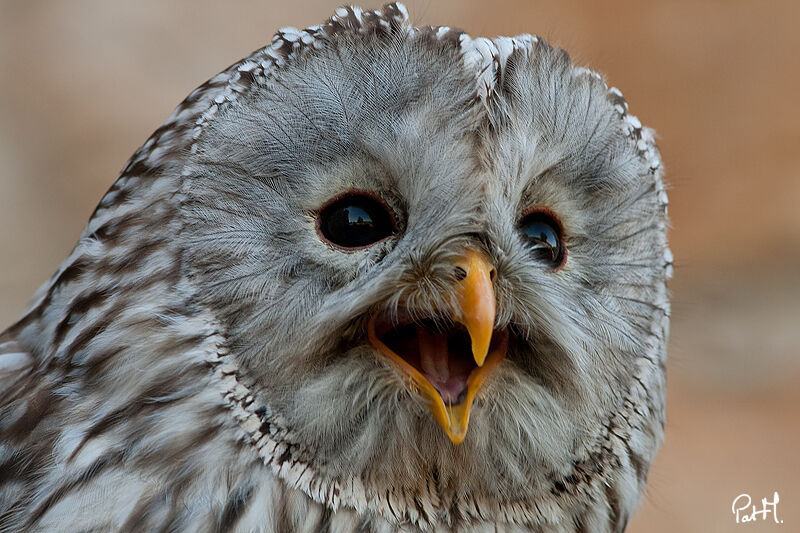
<point>199,361</point>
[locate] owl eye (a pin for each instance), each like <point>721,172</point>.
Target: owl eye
<point>355,221</point>
<point>543,234</point>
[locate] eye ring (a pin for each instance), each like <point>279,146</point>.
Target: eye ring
<point>544,217</point>
<point>381,218</point>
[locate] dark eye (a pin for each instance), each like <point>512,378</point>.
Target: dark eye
<point>355,221</point>
<point>544,236</point>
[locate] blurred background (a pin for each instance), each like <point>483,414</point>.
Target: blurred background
<point>83,83</point>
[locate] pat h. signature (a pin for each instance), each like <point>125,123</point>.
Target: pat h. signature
<point>745,511</point>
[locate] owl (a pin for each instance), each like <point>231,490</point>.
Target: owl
<point>372,277</point>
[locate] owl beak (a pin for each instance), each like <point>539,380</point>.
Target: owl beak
<point>476,312</point>
<point>476,295</point>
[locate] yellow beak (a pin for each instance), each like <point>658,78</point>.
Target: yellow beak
<point>476,295</point>
<point>476,312</point>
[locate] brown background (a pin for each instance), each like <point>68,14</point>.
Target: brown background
<point>83,83</point>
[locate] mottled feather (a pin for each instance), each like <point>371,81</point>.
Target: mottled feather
<point>199,362</point>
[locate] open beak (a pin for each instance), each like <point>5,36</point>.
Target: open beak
<point>448,368</point>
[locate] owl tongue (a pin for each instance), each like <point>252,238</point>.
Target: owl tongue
<point>446,361</point>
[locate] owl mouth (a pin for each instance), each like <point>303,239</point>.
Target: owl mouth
<point>442,353</point>
<point>446,359</point>
<point>438,360</point>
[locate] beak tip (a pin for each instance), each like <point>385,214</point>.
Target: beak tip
<point>457,432</point>
<point>479,352</point>
<point>456,439</point>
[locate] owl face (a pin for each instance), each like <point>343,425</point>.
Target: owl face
<point>436,261</point>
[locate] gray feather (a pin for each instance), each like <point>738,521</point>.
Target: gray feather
<point>199,362</point>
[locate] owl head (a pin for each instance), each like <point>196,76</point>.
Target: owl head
<point>436,267</point>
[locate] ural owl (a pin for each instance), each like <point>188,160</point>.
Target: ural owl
<point>372,277</point>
